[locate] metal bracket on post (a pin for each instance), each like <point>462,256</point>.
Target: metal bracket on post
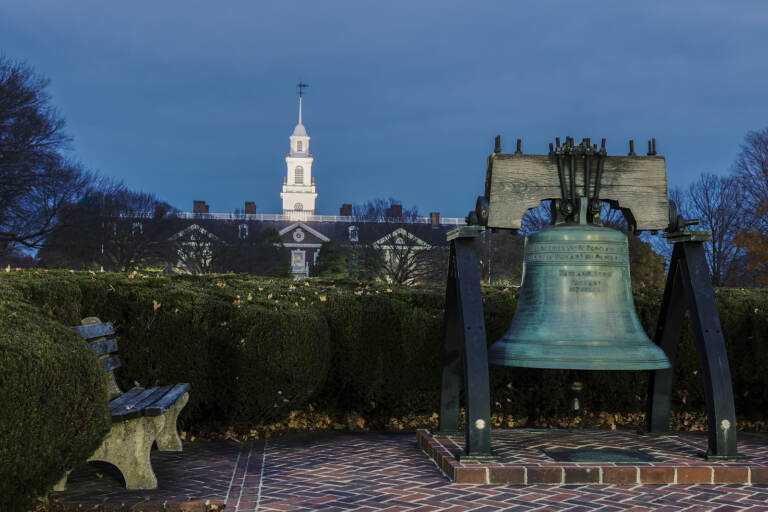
<point>465,343</point>
<point>689,287</point>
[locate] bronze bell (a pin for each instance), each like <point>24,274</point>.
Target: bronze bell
<point>575,308</point>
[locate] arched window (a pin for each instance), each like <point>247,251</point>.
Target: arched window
<point>353,234</point>
<point>298,207</point>
<point>242,231</point>
<point>298,146</point>
<point>298,176</point>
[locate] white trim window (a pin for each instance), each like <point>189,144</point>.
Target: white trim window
<point>298,175</point>
<point>353,233</point>
<point>298,146</point>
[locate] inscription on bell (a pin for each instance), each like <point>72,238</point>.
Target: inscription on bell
<point>576,253</point>
<point>582,281</point>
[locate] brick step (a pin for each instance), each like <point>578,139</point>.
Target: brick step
<point>522,460</point>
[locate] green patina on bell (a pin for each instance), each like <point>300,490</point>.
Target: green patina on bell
<point>575,309</point>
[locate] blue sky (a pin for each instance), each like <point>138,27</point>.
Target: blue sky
<point>196,99</point>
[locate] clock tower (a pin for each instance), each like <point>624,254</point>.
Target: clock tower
<point>299,193</point>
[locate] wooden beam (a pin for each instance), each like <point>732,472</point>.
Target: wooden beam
<point>516,183</point>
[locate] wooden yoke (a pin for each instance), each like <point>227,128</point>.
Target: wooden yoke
<point>637,185</point>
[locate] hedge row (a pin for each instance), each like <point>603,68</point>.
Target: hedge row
<point>53,400</point>
<point>256,349</point>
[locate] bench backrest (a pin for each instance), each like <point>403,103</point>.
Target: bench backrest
<point>104,348</point>
<point>101,339</point>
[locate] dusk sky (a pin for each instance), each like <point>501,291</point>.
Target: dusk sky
<point>196,100</point>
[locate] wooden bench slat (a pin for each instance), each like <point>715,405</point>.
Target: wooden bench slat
<point>128,408</point>
<point>125,397</point>
<point>167,401</point>
<point>101,348</point>
<point>110,363</point>
<point>94,330</point>
<point>150,399</point>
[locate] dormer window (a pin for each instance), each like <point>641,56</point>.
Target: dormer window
<point>242,231</point>
<point>298,147</point>
<point>298,176</point>
<point>353,234</point>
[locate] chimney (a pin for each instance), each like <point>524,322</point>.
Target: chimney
<point>434,219</point>
<point>395,211</point>
<point>345,210</point>
<point>250,207</point>
<point>199,207</point>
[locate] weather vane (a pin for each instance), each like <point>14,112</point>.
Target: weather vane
<point>301,86</point>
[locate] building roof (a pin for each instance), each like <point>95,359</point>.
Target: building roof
<point>299,131</point>
<point>367,232</point>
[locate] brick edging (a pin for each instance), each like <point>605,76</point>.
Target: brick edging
<point>480,473</point>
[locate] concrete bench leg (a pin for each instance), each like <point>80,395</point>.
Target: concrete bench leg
<point>61,485</point>
<point>127,446</point>
<point>169,440</point>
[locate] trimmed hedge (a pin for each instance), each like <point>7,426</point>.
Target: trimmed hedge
<point>256,349</point>
<point>281,359</point>
<point>53,399</point>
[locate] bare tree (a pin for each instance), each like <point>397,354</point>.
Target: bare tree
<point>194,248</point>
<point>36,183</point>
<point>500,256</point>
<point>112,228</point>
<point>536,219</point>
<point>751,172</point>
<point>384,209</point>
<point>401,257</point>
<point>137,226</point>
<point>716,201</point>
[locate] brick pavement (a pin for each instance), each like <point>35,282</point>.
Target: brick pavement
<point>346,471</point>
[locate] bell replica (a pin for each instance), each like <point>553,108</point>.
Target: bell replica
<point>575,309</point>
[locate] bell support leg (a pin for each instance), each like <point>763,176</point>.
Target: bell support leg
<point>710,344</point>
<point>689,287</point>
<point>465,327</point>
<point>667,337</point>
<point>450,387</point>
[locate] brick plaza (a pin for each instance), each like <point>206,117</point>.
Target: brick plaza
<point>337,471</point>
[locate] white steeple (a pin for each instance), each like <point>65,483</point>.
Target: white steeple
<point>298,193</point>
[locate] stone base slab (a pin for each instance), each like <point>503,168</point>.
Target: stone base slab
<point>523,461</point>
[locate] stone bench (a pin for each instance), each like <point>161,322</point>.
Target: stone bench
<point>141,417</point>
